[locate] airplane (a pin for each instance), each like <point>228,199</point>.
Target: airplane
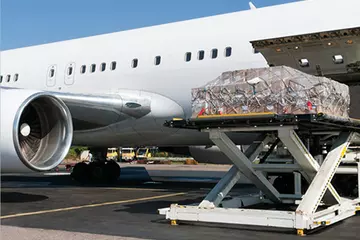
<point>118,89</point>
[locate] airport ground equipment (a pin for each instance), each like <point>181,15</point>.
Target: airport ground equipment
<point>305,187</point>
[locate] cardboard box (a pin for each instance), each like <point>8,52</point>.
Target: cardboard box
<point>281,90</point>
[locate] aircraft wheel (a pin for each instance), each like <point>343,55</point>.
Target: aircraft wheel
<point>80,172</point>
<point>97,171</point>
<point>112,171</point>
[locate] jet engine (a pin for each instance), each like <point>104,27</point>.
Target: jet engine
<point>36,130</point>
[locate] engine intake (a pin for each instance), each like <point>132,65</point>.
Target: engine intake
<point>40,128</point>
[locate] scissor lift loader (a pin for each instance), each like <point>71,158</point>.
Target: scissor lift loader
<point>316,200</point>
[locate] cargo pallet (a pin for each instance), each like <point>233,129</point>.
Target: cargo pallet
<point>317,206</point>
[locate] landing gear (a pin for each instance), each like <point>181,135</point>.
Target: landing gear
<point>98,171</point>
<point>80,172</point>
<point>112,171</point>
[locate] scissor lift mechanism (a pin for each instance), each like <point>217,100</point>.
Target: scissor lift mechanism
<point>319,205</point>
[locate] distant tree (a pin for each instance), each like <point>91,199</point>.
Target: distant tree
<point>75,152</point>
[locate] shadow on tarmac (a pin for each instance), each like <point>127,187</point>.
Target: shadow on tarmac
<point>17,197</point>
<point>143,207</point>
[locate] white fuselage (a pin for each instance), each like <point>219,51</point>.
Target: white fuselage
<point>173,77</point>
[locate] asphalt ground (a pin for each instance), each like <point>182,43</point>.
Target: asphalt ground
<point>55,207</point>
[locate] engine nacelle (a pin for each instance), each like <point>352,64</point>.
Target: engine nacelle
<point>36,130</point>
<point>202,154</point>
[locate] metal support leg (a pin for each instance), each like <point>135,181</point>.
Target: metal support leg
<point>243,164</point>
<point>273,146</point>
<point>224,186</point>
<point>321,181</point>
<point>297,181</point>
<point>306,161</point>
<point>299,151</point>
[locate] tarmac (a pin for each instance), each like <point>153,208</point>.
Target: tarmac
<point>41,206</point>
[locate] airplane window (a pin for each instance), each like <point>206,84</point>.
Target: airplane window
<point>1,77</point>
<point>228,51</point>
<point>16,77</point>
<point>103,67</point>
<point>214,53</point>
<point>201,54</point>
<point>134,63</point>
<point>70,71</point>
<point>83,69</point>
<point>188,57</point>
<point>157,60</point>
<point>8,77</point>
<point>93,67</point>
<point>52,73</point>
<point>113,65</point>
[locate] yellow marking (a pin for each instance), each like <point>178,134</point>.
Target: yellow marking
<point>357,208</point>
<point>300,232</point>
<point>177,119</point>
<point>237,115</point>
<point>173,223</point>
<point>91,205</point>
<point>322,223</point>
<point>343,152</point>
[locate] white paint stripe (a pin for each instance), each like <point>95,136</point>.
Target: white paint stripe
<point>91,205</point>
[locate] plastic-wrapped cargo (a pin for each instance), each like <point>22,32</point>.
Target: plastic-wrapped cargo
<point>280,89</point>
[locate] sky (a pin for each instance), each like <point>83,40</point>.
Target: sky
<point>32,22</point>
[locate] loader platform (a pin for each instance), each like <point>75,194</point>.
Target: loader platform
<point>309,122</point>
